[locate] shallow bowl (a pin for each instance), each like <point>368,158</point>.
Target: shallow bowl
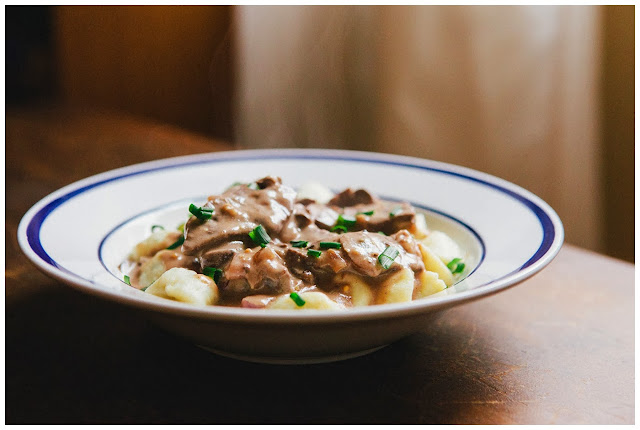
<point>82,232</point>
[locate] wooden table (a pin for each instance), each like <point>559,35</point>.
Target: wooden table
<point>556,349</point>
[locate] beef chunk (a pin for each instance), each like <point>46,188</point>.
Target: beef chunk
<point>221,256</point>
<point>351,198</point>
<point>364,248</point>
<point>260,271</point>
<point>238,211</point>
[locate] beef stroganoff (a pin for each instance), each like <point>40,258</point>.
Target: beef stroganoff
<point>264,245</point>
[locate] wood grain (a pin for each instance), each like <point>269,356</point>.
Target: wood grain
<point>556,349</point>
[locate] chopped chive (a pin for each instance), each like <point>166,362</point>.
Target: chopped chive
<point>382,233</point>
<point>145,288</point>
<point>339,227</point>
<point>299,243</point>
<point>253,186</point>
<point>181,227</point>
<point>456,266</point>
<point>388,255</point>
<point>330,245</point>
<point>177,243</point>
<point>343,223</point>
<point>458,269</point>
<point>369,213</point>
<point>346,221</point>
<point>297,299</point>
<point>259,236</point>
<point>314,253</point>
<point>155,227</point>
<point>212,272</point>
<point>395,212</point>
<point>127,280</point>
<point>201,213</point>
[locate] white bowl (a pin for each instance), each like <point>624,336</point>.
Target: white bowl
<point>82,232</point>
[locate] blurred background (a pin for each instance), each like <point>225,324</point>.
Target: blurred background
<point>542,96</point>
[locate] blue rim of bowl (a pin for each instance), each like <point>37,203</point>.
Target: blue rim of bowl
<point>553,232</point>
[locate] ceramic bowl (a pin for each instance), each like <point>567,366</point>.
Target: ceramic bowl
<point>82,232</point>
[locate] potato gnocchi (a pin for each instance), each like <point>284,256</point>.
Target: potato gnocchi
<point>185,285</point>
<point>263,245</point>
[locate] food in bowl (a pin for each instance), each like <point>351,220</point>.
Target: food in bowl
<point>266,245</point>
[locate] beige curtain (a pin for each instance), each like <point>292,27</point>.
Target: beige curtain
<point>511,91</point>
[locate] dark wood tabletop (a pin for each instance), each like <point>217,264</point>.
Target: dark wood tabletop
<point>556,349</point>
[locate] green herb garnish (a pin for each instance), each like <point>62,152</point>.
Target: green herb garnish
<point>330,245</point>
<point>369,213</point>
<point>127,280</point>
<point>201,213</point>
<point>297,299</point>
<point>144,289</point>
<point>299,243</point>
<point>388,255</point>
<point>259,236</point>
<point>339,227</point>
<point>156,227</point>
<point>181,227</point>
<point>314,253</point>
<point>177,243</point>
<point>344,223</point>
<point>212,272</point>
<point>395,212</point>
<point>253,186</point>
<point>456,266</point>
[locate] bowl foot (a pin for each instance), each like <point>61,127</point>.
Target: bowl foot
<point>293,359</point>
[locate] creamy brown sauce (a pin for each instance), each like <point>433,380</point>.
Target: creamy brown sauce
<point>253,275</point>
